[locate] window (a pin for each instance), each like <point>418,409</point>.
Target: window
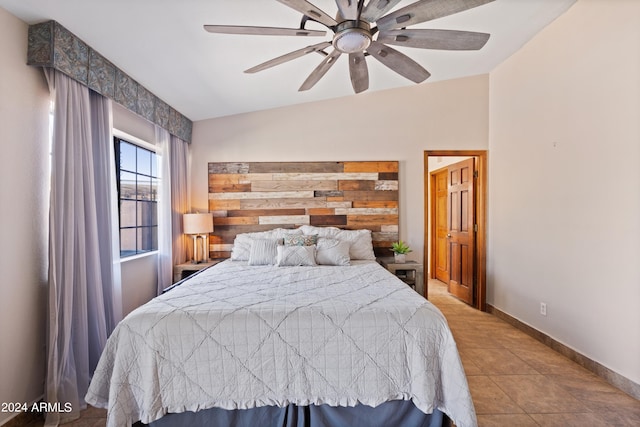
<point>137,183</point>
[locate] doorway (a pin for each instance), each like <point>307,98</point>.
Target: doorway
<point>433,226</point>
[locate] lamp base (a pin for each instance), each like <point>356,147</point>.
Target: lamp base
<point>205,255</point>
<point>194,260</point>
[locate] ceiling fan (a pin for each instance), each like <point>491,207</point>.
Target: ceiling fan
<point>366,30</point>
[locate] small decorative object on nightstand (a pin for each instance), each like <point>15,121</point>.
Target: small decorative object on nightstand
<point>182,271</point>
<point>410,272</point>
<point>400,250</point>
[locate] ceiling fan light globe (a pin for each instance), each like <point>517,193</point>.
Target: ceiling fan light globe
<point>352,40</point>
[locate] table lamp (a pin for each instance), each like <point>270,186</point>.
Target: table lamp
<point>198,224</point>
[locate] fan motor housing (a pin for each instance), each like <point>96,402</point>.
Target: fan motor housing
<point>352,36</point>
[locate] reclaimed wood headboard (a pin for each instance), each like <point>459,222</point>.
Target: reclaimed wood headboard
<point>248,197</point>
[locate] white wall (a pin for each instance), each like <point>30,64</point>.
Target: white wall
<point>139,281</point>
<point>564,198</point>
<point>24,183</point>
<point>390,125</point>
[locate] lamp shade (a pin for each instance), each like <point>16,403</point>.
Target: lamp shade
<point>197,223</point>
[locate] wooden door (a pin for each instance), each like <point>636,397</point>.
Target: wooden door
<point>440,225</point>
<point>461,236</point>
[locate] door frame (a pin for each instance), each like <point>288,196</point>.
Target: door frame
<point>480,258</point>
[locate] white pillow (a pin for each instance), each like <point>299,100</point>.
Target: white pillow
<point>332,252</point>
<point>293,256</point>
<point>360,240</point>
<point>242,243</point>
<point>241,248</point>
<point>263,252</point>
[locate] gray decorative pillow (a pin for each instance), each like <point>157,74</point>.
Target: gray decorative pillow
<point>332,252</point>
<point>242,242</point>
<point>263,252</point>
<point>292,256</point>
<point>300,240</point>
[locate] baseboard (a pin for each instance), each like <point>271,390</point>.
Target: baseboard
<point>613,378</point>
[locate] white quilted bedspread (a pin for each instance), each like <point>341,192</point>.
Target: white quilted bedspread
<point>238,337</point>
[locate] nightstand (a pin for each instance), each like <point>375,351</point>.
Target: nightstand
<point>410,272</point>
<point>182,271</point>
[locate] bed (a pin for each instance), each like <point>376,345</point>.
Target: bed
<point>292,331</point>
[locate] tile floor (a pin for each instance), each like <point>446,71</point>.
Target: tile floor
<point>515,381</point>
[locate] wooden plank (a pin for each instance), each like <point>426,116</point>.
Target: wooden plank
<point>375,204</point>
<point>383,246</point>
<point>334,220</point>
<point>391,166</point>
<point>320,211</point>
<point>226,231</point>
<point>371,219</point>
<point>283,203</point>
<point>218,168</point>
<point>366,211</point>
<point>221,247</point>
<point>294,186</point>
<point>239,220</point>
<point>392,228</point>
<point>231,188</point>
<point>332,193</point>
<point>266,212</point>
<point>248,178</point>
<point>263,195</point>
<point>381,236</point>
<point>388,176</point>
<point>294,167</point>
<point>371,195</point>
<point>338,204</point>
<point>385,185</point>
<point>324,176</point>
<point>372,227</point>
<point>284,219</point>
<point>353,185</point>
<point>214,239</point>
<point>215,178</point>
<point>218,205</point>
<point>220,254</point>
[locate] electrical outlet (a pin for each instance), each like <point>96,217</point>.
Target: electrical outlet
<point>543,308</point>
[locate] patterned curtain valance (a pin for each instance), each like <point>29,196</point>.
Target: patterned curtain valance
<point>52,45</point>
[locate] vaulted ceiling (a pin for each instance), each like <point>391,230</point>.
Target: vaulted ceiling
<point>162,45</point>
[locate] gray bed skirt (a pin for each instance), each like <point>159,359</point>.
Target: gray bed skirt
<point>395,413</point>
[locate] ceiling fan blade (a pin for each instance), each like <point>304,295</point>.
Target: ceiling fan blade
<point>375,9</point>
<point>311,11</point>
<point>288,57</point>
<point>358,72</point>
<point>320,70</point>
<point>434,39</point>
<point>398,62</point>
<point>348,9</point>
<point>425,10</point>
<point>262,31</point>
